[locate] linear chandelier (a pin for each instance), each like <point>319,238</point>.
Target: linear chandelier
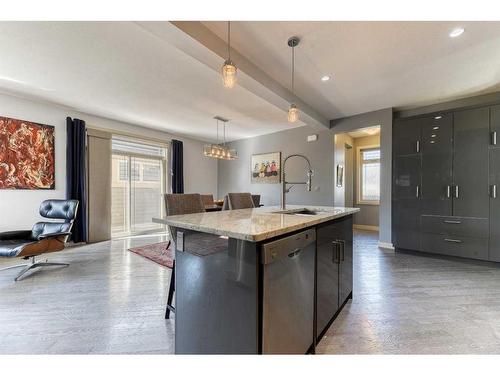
<point>220,151</point>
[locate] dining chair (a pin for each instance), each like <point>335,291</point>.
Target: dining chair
<point>239,201</point>
<point>225,205</point>
<point>179,204</point>
<point>208,199</point>
<point>256,200</point>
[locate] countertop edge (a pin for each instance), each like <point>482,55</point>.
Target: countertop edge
<point>264,236</point>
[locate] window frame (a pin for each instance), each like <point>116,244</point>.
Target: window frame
<point>359,164</point>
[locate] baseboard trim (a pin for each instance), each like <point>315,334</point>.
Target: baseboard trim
<point>386,245</point>
<point>366,227</point>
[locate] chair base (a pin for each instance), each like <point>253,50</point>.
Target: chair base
<point>32,265</point>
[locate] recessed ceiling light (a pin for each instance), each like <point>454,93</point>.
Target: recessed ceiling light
<point>457,32</point>
<point>438,117</point>
<point>325,78</point>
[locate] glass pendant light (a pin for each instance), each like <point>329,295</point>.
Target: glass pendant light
<point>293,111</point>
<point>229,69</point>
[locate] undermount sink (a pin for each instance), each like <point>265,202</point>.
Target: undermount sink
<point>299,211</point>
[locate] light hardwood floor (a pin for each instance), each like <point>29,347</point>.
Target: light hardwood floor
<point>108,300</point>
<point>112,301</point>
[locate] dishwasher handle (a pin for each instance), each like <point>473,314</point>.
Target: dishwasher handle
<point>287,247</point>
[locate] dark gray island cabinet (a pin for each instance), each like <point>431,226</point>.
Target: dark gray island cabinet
<point>260,281</point>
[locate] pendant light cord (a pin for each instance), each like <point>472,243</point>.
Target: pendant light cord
<point>229,40</point>
<point>293,70</point>
<point>217,131</point>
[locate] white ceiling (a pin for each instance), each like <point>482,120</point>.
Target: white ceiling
<point>123,71</point>
<point>373,65</point>
<point>365,132</point>
<point>120,71</point>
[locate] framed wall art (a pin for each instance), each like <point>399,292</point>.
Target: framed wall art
<point>27,155</point>
<point>266,168</point>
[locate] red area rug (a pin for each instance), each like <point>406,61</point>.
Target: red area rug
<point>157,252</point>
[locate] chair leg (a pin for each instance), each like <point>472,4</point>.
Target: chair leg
<point>171,290</point>
<point>36,265</point>
<point>28,267</point>
<point>15,266</point>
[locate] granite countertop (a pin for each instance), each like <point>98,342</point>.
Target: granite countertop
<point>255,224</point>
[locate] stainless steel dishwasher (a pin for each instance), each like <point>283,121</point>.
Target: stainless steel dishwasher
<point>288,294</point>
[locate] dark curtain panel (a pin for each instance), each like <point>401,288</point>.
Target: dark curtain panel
<point>177,168</point>
<point>76,175</point>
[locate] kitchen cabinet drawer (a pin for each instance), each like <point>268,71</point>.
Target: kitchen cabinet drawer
<point>453,225</point>
<point>465,247</point>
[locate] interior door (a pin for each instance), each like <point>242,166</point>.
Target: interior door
<point>470,163</point>
<point>494,253</point>
<point>437,164</point>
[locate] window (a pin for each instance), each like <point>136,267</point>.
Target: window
<point>123,170</point>
<point>138,184</point>
<point>369,175</point>
<point>151,172</point>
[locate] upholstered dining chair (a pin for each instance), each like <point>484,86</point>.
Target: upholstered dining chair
<point>256,200</point>
<point>238,201</point>
<point>207,199</point>
<point>44,237</point>
<point>225,204</point>
<point>179,204</point>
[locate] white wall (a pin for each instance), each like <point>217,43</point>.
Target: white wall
<point>19,208</point>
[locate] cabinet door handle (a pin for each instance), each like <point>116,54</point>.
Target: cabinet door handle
<point>417,146</point>
<point>448,191</point>
<point>493,191</point>
<point>456,191</point>
<point>452,222</point>
<point>452,240</point>
<point>342,250</point>
<point>494,138</point>
<point>417,192</point>
<point>336,253</point>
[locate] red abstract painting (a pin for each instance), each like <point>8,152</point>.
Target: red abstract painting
<point>26,155</point>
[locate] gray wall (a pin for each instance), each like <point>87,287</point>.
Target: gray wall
<point>234,176</point>
<point>369,214</point>
<point>383,118</point>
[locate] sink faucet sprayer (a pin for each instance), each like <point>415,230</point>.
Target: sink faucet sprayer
<point>284,182</point>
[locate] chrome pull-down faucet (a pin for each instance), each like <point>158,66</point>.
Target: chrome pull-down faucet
<point>284,182</point>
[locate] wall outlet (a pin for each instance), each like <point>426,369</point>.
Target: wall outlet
<point>312,138</point>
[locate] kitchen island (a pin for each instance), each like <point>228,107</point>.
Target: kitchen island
<point>262,280</point>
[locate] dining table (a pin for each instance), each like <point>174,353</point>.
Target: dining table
<point>213,207</point>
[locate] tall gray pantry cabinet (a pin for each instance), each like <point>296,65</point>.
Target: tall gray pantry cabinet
<point>446,169</point>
